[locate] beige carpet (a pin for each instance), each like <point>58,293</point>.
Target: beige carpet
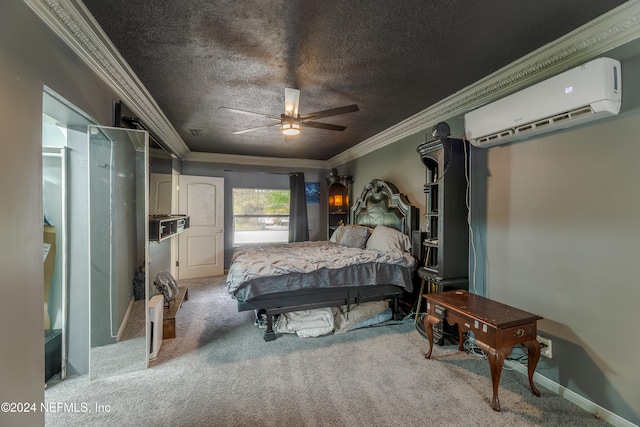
<point>127,355</point>
<point>218,371</point>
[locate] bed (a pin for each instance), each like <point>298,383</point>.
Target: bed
<point>367,260</point>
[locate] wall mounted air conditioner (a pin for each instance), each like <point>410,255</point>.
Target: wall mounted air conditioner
<point>582,94</point>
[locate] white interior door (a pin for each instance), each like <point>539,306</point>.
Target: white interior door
<point>201,246</point>
<point>175,181</point>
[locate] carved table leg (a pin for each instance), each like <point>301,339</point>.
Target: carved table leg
<point>496,360</point>
<point>533,354</point>
<point>429,321</point>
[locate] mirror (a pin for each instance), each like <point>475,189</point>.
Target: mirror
<point>118,236</point>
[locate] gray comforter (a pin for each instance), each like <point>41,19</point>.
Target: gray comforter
<point>258,270</point>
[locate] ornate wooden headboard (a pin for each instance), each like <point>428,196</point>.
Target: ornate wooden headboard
<point>382,204</point>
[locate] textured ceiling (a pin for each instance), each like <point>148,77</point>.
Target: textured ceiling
<point>392,58</point>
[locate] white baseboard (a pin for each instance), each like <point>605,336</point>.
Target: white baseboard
<point>123,324</point>
<point>573,397</point>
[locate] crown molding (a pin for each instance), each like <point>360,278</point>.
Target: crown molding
<point>255,160</point>
<point>75,25</point>
<point>615,28</point>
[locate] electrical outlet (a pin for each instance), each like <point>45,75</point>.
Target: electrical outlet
<point>545,346</point>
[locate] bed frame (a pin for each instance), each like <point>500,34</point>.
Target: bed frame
<point>379,203</point>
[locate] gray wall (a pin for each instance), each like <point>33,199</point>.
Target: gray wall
<point>31,57</point>
<point>398,163</point>
<point>160,260</point>
<point>555,222</point>
<point>561,237</point>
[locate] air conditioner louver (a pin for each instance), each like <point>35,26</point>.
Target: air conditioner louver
<point>580,95</point>
<point>537,125</point>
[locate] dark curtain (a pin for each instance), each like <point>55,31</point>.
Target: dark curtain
<point>298,223</point>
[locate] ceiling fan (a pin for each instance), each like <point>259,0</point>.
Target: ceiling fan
<point>291,121</point>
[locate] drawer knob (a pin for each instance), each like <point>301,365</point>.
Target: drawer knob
<point>519,333</point>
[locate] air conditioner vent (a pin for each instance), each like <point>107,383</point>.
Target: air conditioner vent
<point>547,121</point>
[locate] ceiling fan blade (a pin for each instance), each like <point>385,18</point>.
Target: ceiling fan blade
<point>318,125</point>
<point>331,112</point>
<point>291,102</point>
<point>249,113</point>
<point>256,128</point>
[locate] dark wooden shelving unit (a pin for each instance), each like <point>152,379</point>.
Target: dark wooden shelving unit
<point>445,263</point>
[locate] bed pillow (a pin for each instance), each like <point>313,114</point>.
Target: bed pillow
<point>337,234</point>
<point>355,236</point>
<point>388,240</point>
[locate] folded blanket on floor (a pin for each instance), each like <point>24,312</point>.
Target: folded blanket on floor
<point>323,321</point>
<point>348,316</point>
<point>307,323</point>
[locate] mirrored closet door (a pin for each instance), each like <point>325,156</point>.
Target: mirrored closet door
<point>118,236</point>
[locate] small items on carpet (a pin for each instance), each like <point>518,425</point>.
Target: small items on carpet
<point>329,320</point>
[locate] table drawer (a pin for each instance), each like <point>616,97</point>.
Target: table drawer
<point>518,334</point>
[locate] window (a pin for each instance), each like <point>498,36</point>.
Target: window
<point>260,215</point>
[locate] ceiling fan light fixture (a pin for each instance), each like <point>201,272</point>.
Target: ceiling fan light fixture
<point>290,128</point>
<point>290,121</point>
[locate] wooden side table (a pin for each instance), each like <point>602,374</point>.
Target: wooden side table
<point>497,328</point>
